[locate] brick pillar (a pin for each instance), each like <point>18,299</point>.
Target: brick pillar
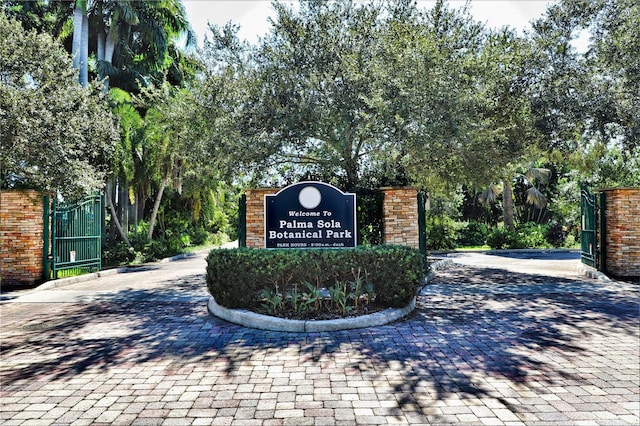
<point>400,214</point>
<point>21,236</point>
<point>255,215</point>
<point>622,213</point>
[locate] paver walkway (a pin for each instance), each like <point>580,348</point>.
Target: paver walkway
<point>484,346</point>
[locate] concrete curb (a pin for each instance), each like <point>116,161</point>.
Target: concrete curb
<point>61,282</point>
<point>433,267</point>
<point>591,272</point>
<point>266,322</point>
<point>505,251</point>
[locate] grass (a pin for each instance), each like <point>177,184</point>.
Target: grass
<point>473,248</point>
<point>74,272</point>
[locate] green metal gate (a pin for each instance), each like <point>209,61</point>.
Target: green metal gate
<point>76,237</point>
<point>592,236</point>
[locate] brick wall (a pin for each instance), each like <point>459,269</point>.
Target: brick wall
<point>21,233</point>
<point>622,213</point>
<point>400,210</point>
<point>400,216</point>
<point>255,215</point>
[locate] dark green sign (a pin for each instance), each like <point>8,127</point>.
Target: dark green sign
<point>310,215</point>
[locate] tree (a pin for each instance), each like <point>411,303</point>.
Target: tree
<point>55,135</point>
<point>585,103</point>
<point>506,129</point>
<point>166,128</point>
<point>51,17</point>
<point>339,90</point>
<point>433,57</point>
<point>140,36</point>
<point>313,100</point>
<point>135,42</point>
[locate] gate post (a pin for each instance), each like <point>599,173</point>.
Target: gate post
<point>422,227</point>
<point>54,251</point>
<point>242,221</point>
<point>46,238</point>
<point>602,208</point>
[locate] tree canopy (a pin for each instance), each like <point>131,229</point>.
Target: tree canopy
<point>357,94</point>
<point>54,134</point>
<point>337,90</point>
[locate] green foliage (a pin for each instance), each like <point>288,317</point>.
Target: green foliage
<point>338,89</point>
<point>369,216</point>
<point>250,278</point>
<point>442,233</point>
<point>311,299</point>
<point>118,254</point>
<point>502,238</point>
<point>556,235</point>
<point>339,294</point>
<point>472,234</point>
<point>528,235</point>
<point>533,235</point>
<point>167,245</point>
<point>585,103</point>
<point>273,301</point>
<point>51,17</point>
<point>54,134</point>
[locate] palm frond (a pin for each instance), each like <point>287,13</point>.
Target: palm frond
<point>490,194</point>
<point>538,174</point>
<point>537,198</point>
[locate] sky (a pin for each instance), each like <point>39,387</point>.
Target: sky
<point>252,14</point>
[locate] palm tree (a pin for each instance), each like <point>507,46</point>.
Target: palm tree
<point>137,41</point>
<point>80,43</point>
<point>535,197</point>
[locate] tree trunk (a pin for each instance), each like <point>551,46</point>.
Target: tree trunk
<point>507,205</point>
<point>114,218</point>
<point>141,203</point>
<point>110,45</point>
<point>109,48</point>
<point>84,51</point>
<point>100,47</point>
<point>156,206</point>
<point>112,223</point>
<point>351,169</point>
<point>77,34</point>
<point>123,201</point>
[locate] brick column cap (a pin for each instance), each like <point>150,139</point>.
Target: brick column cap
<point>255,190</point>
<point>626,188</point>
<point>394,188</point>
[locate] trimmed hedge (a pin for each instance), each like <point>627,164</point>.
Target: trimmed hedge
<point>237,277</point>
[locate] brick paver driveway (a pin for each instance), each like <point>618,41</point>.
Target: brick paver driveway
<point>529,344</point>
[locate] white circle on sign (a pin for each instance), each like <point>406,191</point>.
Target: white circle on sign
<point>309,197</point>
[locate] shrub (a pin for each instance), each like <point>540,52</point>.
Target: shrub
<point>198,236</point>
<point>441,233</point>
<point>556,235</point>
<point>473,234</point>
<point>502,238</point>
<point>528,235</point>
<point>118,254</point>
<point>248,278</point>
<point>532,235</point>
